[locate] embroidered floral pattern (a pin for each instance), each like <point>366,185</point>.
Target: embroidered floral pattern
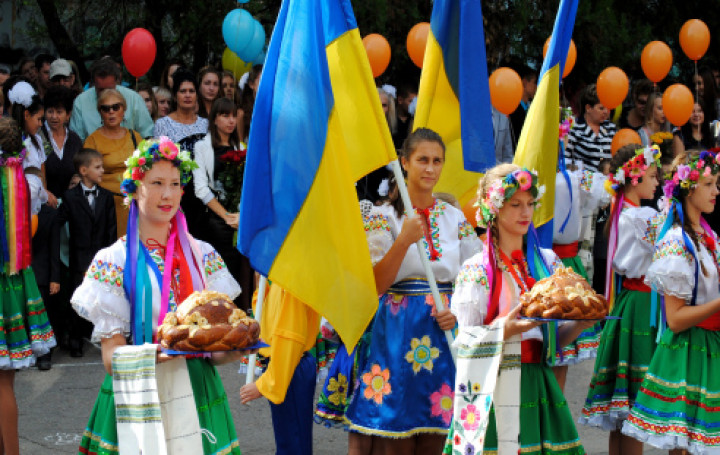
<point>376,222</point>
<point>377,381</point>
<point>213,263</point>
<point>465,229</point>
<point>470,417</point>
<point>586,180</point>
<point>105,273</point>
<point>339,388</point>
<point>671,247</point>
<point>473,274</point>
<point>654,225</point>
<point>436,211</point>
<point>422,354</point>
<point>396,303</point>
<point>442,403</point>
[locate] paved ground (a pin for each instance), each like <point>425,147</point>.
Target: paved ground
<point>54,407</point>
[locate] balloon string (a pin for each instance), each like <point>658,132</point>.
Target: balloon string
<point>697,95</point>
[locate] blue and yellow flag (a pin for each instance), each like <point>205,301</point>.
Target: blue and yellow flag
<point>538,145</point>
<point>454,95</point>
<point>317,128</point>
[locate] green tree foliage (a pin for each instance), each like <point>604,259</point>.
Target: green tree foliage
<point>607,32</point>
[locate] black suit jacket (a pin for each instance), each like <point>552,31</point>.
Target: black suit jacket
<point>46,264</point>
<point>89,231</point>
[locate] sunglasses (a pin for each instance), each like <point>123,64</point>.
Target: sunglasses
<point>105,108</point>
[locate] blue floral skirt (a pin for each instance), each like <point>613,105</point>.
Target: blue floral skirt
<point>405,386</point>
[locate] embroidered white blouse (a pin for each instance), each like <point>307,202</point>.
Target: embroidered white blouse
<point>471,296</point>
<point>588,193</point>
<point>637,231</point>
<point>673,268</point>
<point>101,298</point>
<point>452,236</point>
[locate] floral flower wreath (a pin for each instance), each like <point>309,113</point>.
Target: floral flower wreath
<point>149,152</point>
<point>14,158</point>
<point>634,169</point>
<point>501,190</point>
<point>687,176</point>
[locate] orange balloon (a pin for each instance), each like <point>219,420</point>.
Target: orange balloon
<point>569,60</point>
<point>612,87</point>
<point>378,50</point>
<point>694,39</point>
<point>656,60</point>
<point>505,90</point>
<point>416,41</point>
<point>470,212</point>
<point>678,104</point>
<point>33,224</point>
<point>624,137</point>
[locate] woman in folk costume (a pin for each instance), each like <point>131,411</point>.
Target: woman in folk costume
<point>127,291</point>
<point>626,344</point>
<point>25,333</point>
<point>677,404</point>
<point>577,193</point>
<point>528,400</point>
<point>403,401</point>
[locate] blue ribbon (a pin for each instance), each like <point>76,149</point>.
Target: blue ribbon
<point>689,245</point>
<point>563,171</point>
<point>4,249</point>
<point>539,268</point>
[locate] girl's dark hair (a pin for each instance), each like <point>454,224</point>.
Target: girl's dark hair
<point>247,98</point>
<point>166,71</point>
<point>182,75</point>
<point>686,130</point>
<point>222,106</point>
<point>58,96</point>
<point>709,93</point>
<point>204,71</point>
<point>17,111</point>
<point>409,146</point>
<point>622,156</point>
<point>10,136</point>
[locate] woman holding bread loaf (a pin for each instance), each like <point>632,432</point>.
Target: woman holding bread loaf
<point>403,404</point>
<point>676,406</point>
<point>627,344</point>
<point>150,403</point>
<point>527,400</point>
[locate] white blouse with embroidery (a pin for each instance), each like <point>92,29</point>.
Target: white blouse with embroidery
<point>471,296</point>
<point>452,236</point>
<point>673,268</point>
<point>637,231</point>
<point>101,298</point>
<point>588,193</point>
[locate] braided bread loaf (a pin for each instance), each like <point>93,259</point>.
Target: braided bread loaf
<point>563,295</point>
<point>208,321</point>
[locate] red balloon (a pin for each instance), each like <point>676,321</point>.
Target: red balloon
<point>138,51</point>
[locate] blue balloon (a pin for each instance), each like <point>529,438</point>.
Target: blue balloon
<point>255,45</point>
<point>238,29</point>
<point>260,59</point>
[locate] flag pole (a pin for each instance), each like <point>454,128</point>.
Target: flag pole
<point>400,179</point>
<point>250,373</point>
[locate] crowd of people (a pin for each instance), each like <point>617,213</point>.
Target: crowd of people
<point>121,181</point>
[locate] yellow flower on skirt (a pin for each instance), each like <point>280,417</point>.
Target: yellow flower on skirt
<point>339,389</point>
<point>422,354</point>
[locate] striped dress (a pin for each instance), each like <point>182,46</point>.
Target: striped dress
<point>587,147</point>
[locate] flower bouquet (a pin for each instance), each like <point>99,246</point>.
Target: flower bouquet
<point>664,140</point>
<point>230,178</point>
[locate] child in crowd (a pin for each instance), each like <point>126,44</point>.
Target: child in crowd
<point>676,405</point>
<point>90,211</point>
<point>627,344</point>
<point>24,329</point>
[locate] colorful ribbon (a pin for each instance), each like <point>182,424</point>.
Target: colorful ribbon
<point>563,171</point>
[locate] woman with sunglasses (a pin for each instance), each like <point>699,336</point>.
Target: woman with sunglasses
<point>116,143</point>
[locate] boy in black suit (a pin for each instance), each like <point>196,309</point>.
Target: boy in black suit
<point>90,210</point>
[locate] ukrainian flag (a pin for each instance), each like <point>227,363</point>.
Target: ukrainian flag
<point>317,128</point>
<point>454,95</point>
<point>538,145</point>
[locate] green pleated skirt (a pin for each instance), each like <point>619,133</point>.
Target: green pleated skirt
<point>546,425</point>
<point>626,348</point>
<point>100,436</point>
<point>678,405</point>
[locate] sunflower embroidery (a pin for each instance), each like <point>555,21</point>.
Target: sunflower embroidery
<point>422,354</point>
<point>377,381</point>
<point>339,388</point>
